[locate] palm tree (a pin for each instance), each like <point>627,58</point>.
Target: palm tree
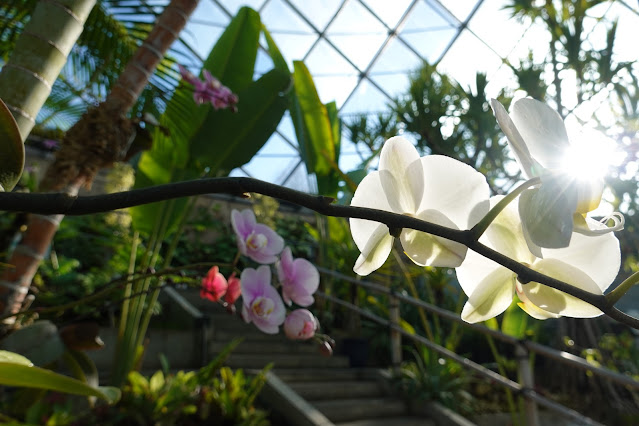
<point>99,139</point>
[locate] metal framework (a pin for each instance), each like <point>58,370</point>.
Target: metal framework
<point>361,53</point>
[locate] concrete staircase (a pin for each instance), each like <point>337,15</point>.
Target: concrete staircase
<point>306,387</point>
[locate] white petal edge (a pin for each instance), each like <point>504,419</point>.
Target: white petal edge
<point>515,140</point>
<point>401,175</point>
<point>557,302</point>
<point>492,296</point>
<point>429,250</point>
<point>542,129</point>
<point>457,190</point>
<point>375,252</point>
<point>598,257</point>
<point>369,194</point>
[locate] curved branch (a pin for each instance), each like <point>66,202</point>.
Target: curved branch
<point>73,205</point>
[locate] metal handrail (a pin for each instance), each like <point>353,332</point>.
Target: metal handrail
<point>522,346</point>
<point>526,392</point>
<point>561,356</point>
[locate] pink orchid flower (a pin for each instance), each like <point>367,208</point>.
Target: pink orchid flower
<point>262,304</point>
<point>255,240</point>
<point>234,289</point>
<point>210,90</point>
<point>300,324</point>
<point>299,279</point>
<point>214,285</point>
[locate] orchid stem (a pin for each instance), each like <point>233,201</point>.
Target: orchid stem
<point>479,229</point>
<point>616,294</point>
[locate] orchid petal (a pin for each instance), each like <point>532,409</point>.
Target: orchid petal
<point>474,270</point>
<point>547,212</point>
<point>505,233</point>
<point>598,257</point>
<point>558,302</point>
<point>542,129</point>
<point>242,222</point>
<point>375,252</point>
<point>401,175</point>
<point>536,312</point>
<point>429,250</point>
<point>492,296</point>
<point>455,189</point>
<point>368,194</point>
<point>515,140</point>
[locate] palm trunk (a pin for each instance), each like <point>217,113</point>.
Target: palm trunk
<point>99,139</point>
<point>39,55</point>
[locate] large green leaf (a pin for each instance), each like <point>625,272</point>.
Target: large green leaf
<point>18,371</point>
<point>274,52</point>
<point>11,150</point>
<point>232,59</point>
<point>228,140</point>
<point>318,132</point>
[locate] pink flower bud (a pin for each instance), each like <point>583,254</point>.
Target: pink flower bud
<point>214,285</point>
<point>234,289</point>
<point>300,325</point>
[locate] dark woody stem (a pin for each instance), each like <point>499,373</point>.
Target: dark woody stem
<point>60,203</point>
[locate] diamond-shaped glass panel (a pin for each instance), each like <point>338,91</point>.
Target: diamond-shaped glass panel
<point>365,99</point>
<point>468,50</point>
<point>483,25</point>
<point>232,6</point>
<point>319,13</point>
<point>357,33</point>
<point>388,11</point>
<point>278,16</point>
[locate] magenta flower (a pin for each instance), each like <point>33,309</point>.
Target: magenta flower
<point>299,279</point>
<point>262,304</point>
<point>300,325</point>
<point>210,90</point>
<point>255,240</point>
<point>214,285</point>
<point>234,289</point>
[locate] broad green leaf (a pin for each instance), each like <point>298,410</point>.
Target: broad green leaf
<point>228,140</point>
<point>232,59</point>
<point>12,357</point>
<point>492,324</point>
<point>314,117</point>
<point>274,52</point>
<point>11,150</point>
<point>21,375</point>
<point>515,321</point>
<point>156,383</point>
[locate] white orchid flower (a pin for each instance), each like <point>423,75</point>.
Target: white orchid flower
<point>589,263</point>
<point>434,188</point>
<point>549,213</point>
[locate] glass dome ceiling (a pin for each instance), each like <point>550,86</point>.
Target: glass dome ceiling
<point>361,54</point>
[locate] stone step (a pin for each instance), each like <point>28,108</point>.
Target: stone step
<point>267,347</point>
<point>315,374</point>
<point>237,360</point>
<point>345,410</point>
<point>249,334</point>
<point>390,421</point>
<point>322,390</point>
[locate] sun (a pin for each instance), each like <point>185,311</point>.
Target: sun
<point>590,155</point>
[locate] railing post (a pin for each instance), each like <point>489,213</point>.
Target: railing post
<point>395,335</point>
<point>527,381</point>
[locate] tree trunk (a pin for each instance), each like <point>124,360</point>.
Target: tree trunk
<point>99,139</point>
<point>39,55</point>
